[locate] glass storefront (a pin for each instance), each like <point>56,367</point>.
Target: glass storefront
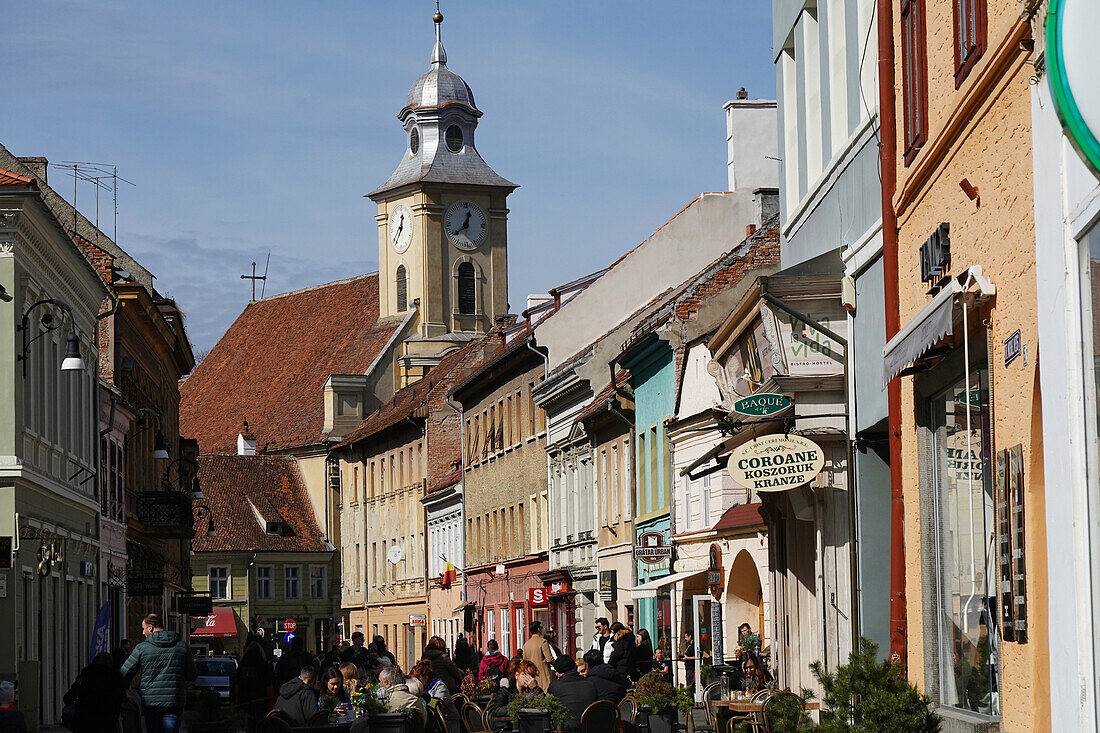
<point>966,602</point>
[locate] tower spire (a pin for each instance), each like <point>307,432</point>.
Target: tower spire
<point>439,54</point>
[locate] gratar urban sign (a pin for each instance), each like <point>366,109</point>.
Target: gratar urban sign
<point>775,462</point>
<point>762,405</point>
<point>1073,57</point>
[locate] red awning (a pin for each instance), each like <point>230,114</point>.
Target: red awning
<point>219,624</point>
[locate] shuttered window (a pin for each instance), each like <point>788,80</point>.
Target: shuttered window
<point>466,300</point>
<point>402,290</point>
<point>914,63</point>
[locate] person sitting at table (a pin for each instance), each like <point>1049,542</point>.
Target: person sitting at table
<point>573,691</point>
<point>527,679</point>
<point>297,697</point>
<point>661,664</point>
<point>609,685</point>
<point>756,678</point>
<point>334,696</point>
<point>399,699</point>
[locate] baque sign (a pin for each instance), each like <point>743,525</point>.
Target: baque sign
<point>1072,59</point>
<point>775,462</point>
<point>762,405</point>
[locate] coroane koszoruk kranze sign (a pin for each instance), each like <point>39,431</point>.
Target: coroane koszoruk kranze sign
<point>775,462</point>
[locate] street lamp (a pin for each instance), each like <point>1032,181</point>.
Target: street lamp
<point>201,511</point>
<point>73,361</point>
<point>160,446</point>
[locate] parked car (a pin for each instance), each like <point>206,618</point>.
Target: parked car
<point>218,674</point>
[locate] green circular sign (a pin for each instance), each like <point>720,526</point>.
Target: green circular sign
<point>762,405</point>
<point>1073,57</point>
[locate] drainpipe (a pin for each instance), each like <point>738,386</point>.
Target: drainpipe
<point>888,171</point>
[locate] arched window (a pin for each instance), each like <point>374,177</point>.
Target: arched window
<point>466,301</point>
<point>402,290</point>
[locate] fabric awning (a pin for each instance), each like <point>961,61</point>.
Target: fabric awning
<point>649,590</point>
<point>724,446</point>
<point>934,322</point>
<point>220,624</point>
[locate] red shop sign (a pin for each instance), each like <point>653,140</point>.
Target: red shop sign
<point>536,596</point>
<point>556,589</point>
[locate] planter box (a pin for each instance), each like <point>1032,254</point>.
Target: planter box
<point>533,720</point>
<point>665,721</point>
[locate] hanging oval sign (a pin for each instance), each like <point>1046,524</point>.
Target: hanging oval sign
<point>775,462</point>
<point>762,405</point>
<point>1072,59</point>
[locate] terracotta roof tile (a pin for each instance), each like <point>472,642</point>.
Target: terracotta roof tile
<point>8,178</point>
<point>238,488</point>
<point>270,367</point>
<point>622,380</point>
<point>415,400</point>
<point>740,516</point>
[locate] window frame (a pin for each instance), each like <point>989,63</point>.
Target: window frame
<point>914,77</point>
<point>270,580</point>
<point>975,45</point>
<point>323,580</point>
<point>401,288</point>
<point>228,582</point>
<point>466,289</point>
<point>297,579</point>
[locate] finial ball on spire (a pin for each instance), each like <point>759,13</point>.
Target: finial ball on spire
<point>438,17</point>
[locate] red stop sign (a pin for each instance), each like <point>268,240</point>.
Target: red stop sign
<point>290,624</point>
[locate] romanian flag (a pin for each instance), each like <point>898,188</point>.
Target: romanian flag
<point>450,572</point>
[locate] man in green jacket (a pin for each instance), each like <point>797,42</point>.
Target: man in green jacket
<point>165,666</point>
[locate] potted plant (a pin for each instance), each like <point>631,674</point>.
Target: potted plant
<point>537,714</point>
<point>868,695</point>
<point>661,703</point>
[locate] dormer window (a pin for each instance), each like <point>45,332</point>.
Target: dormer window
<point>453,136</point>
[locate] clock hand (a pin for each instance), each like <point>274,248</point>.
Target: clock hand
<point>400,226</point>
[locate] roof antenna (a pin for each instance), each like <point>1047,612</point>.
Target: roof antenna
<point>263,288</point>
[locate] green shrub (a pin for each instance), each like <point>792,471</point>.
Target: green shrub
<point>868,696</point>
<point>655,692</point>
<point>543,701</point>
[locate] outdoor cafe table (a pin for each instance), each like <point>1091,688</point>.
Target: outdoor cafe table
<point>727,708</point>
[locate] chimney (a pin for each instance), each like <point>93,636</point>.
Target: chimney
<point>246,442</point>
<point>38,165</point>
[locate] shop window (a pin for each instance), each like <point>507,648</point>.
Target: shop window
<point>914,81</point>
<point>969,36</point>
<point>963,544</point>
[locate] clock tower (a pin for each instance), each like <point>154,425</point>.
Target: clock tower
<point>442,223</point>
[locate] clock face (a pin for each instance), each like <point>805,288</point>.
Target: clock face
<point>400,228</point>
<point>466,224</point>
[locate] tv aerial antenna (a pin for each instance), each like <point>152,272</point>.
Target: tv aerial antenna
<point>104,177</point>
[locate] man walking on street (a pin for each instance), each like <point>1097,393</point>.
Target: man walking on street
<point>537,651</point>
<point>601,642</point>
<point>165,666</point>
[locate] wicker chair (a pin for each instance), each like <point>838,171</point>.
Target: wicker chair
<point>321,717</point>
<point>628,708</point>
<point>473,719</point>
<point>275,722</point>
<point>601,716</point>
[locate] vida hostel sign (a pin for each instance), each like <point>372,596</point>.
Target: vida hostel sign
<point>762,405</point>
<point>1073,56</point>
<point>775,462</point>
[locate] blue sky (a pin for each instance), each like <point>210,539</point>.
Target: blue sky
<point>257,126</point>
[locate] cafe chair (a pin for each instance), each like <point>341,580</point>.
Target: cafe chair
<point>436,718</point>
<point>275,722</point>
<point>472,719</point>
<point>600,717</point>
<point>628,708</point>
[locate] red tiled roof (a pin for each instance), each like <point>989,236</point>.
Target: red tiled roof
<point>9,178</point>
<point>237,488</point>
<point>414,400</point>
<point>741,516</point>
<point>622,380</point>
<point>270,367</point>
<point>449,479</point>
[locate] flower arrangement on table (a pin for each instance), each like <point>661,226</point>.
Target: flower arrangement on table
<point>749,643</point>
<point>487,686</point>
<point>364,701</point>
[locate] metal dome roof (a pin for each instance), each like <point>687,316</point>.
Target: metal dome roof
<point>438,87</point>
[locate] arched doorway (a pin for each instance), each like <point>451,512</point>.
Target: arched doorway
<point>744,598</point>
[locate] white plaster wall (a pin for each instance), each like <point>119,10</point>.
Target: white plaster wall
<point>752,144</point>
